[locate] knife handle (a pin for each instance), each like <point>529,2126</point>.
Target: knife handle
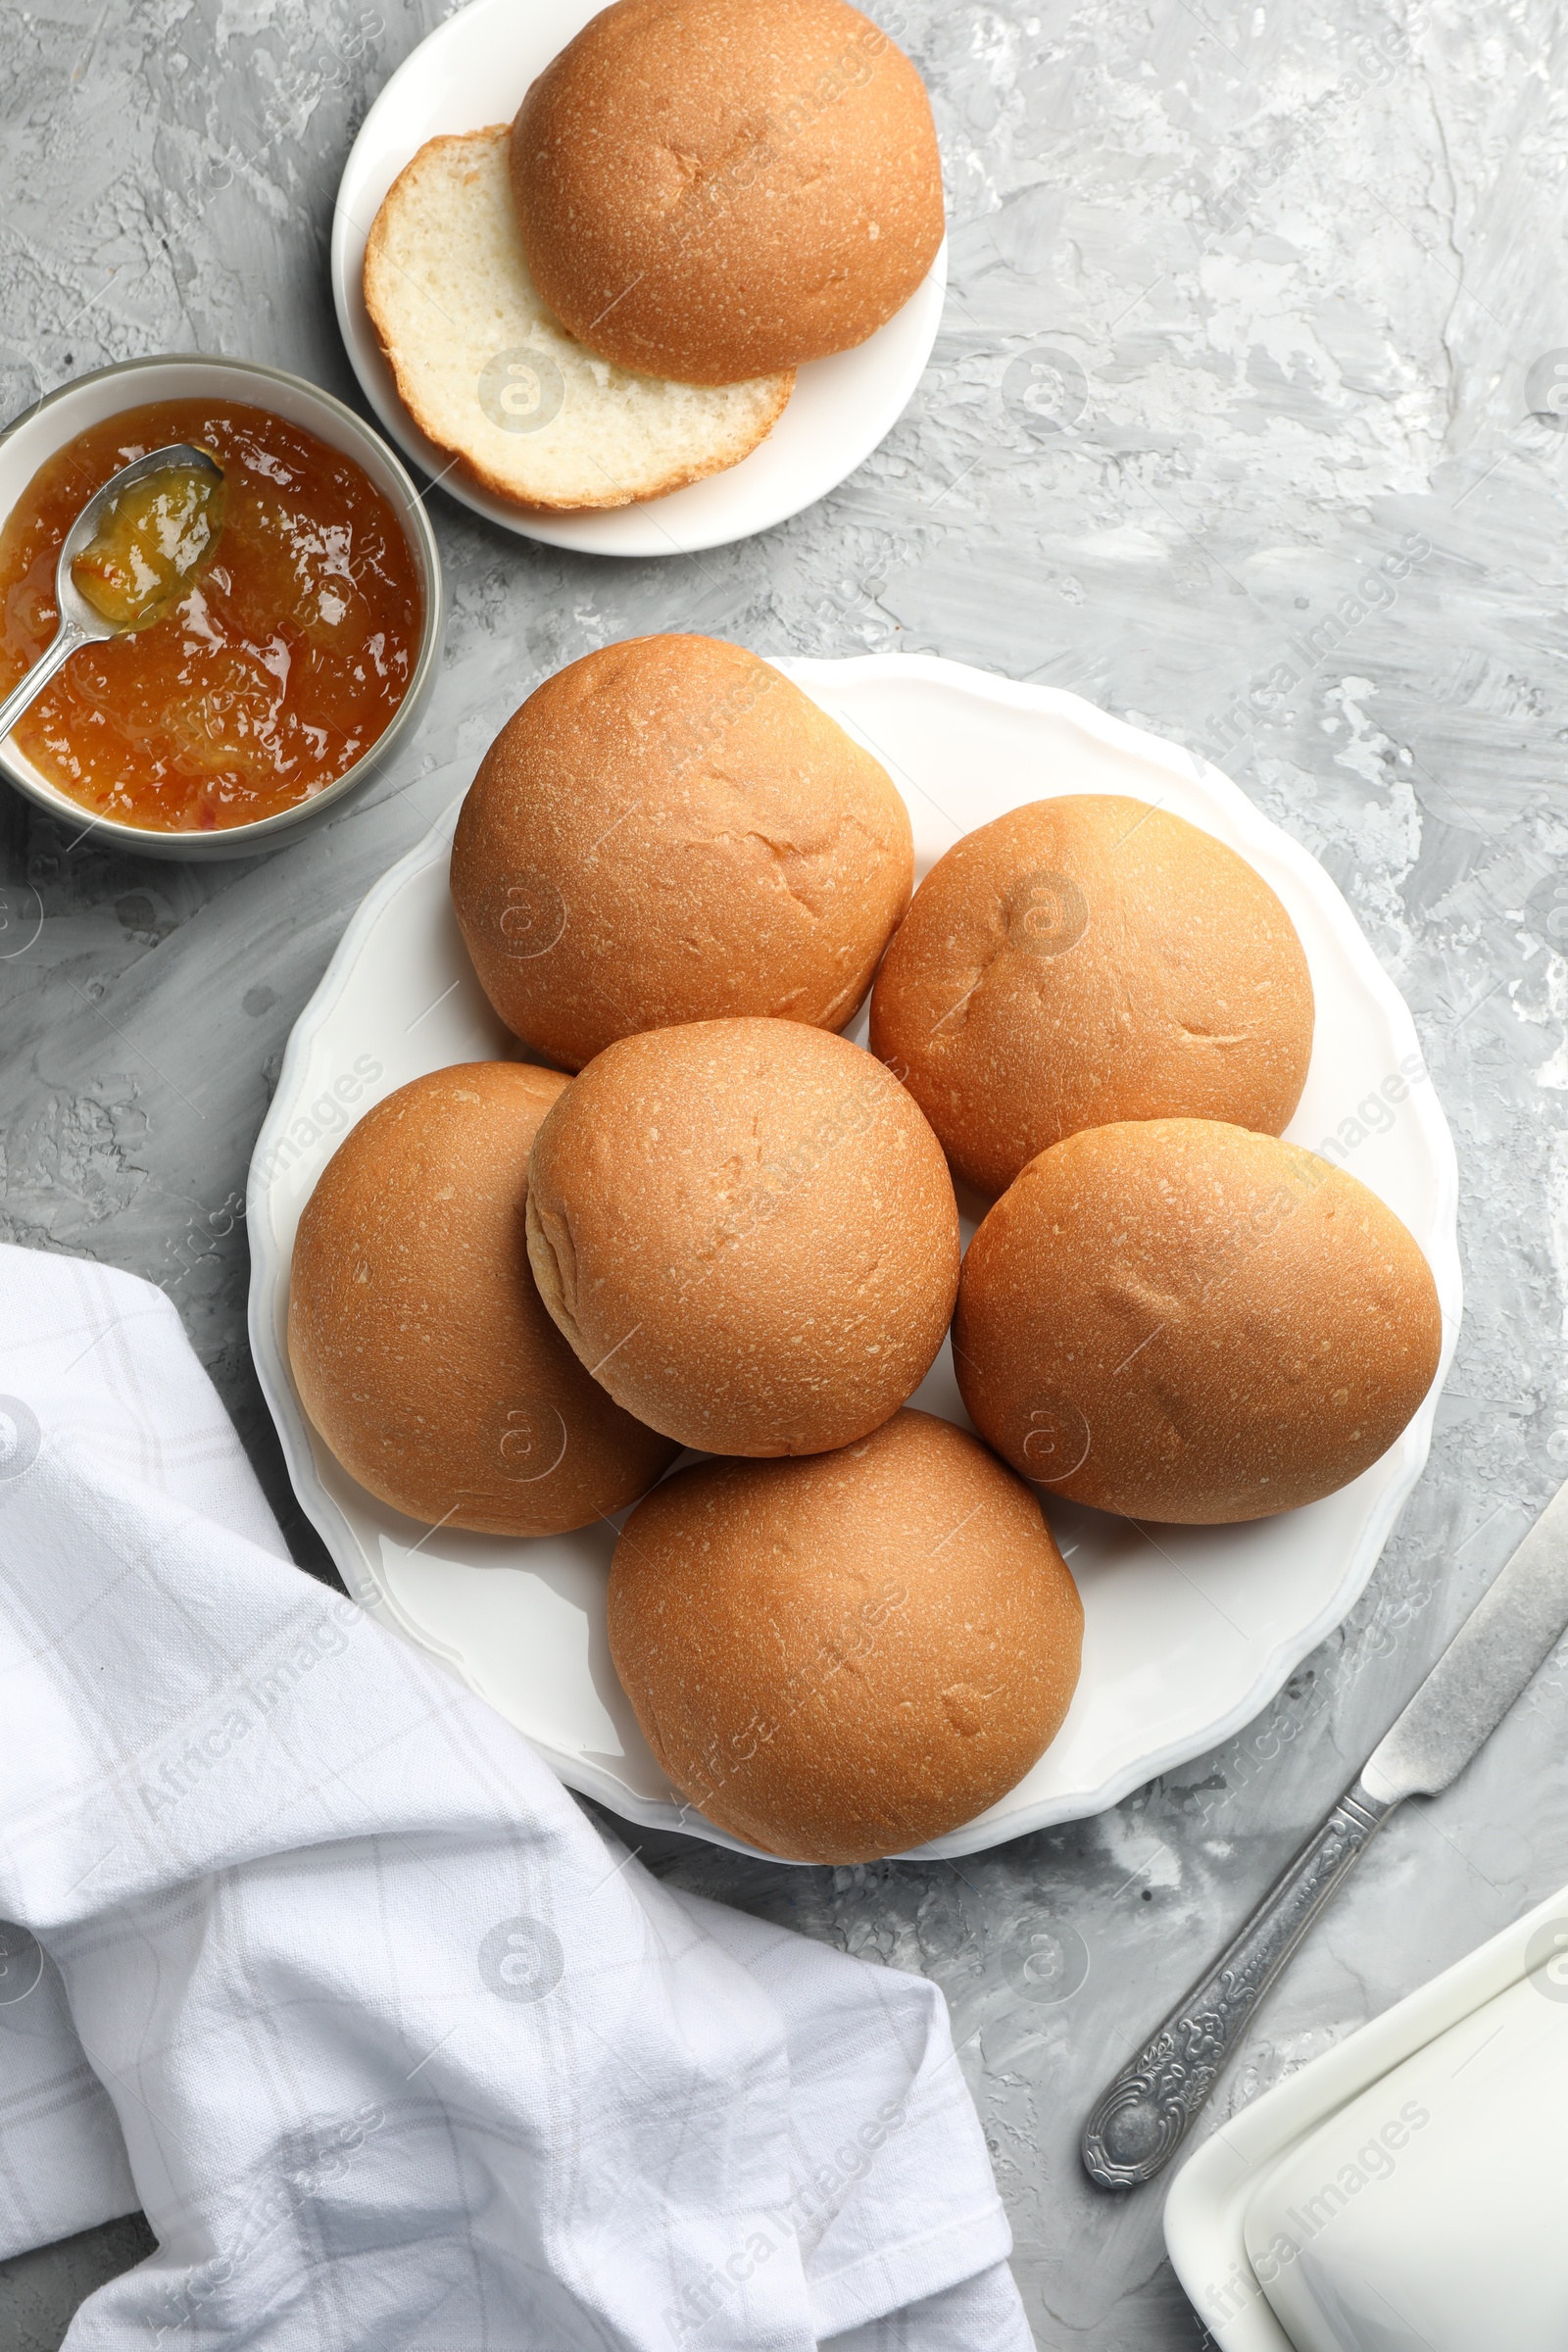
<point>1142,2118</point>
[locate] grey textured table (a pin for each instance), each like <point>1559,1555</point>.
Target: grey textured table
<point>1241,298</point>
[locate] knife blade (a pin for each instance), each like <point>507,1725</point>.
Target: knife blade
<point>1143,2116</point>
<point>1510,1632</point>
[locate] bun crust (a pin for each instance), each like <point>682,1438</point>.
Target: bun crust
<point>1085,961</point>
<point>844,1657</point>
<point>415,1335</point>
<point>1175,1319</point>
<point>487,372</point>
<point>668,831</point>
<point>714,189</point>
<point>747,1232</point>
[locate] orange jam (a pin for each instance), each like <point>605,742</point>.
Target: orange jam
<point>276,667</point>
<point>156,536</point>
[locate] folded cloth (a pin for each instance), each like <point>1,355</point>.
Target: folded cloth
<point>315,1961</point>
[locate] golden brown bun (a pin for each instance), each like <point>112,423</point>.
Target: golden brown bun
<point>1088,959</point>
<point>748,1233</point>
<point>1175,1319</point>
<point>418,1344</point>
<point>669,831</point>
<point>711,189</point>
<point>843,1657</point>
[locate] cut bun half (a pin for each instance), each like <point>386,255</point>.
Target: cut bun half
<point>489,374</point>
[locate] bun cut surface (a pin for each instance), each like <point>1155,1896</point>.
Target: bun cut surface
<point>486,372</point>
<point>846,1656</point>
<point>417,1341</point>
<point>669,831</point>
<point>1084,960</point>
<point>748,1233</point>
<point>1176,1319</point>
<point>717,189</point>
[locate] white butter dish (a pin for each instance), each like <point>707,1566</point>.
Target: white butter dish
<point>1407,2191</point>
<point>1433,2203</point>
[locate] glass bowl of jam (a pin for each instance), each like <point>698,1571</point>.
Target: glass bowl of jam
<point>290,662</point>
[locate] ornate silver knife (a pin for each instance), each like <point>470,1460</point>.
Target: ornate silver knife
<point>1141,2119</point>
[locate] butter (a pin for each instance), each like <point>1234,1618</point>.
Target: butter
<point>1429,2214</point>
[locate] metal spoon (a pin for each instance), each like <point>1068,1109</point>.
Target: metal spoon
<point>79,625</point>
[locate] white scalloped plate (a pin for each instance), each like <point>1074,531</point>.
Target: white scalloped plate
<point>473,71</point>
<point>1188,1631</point>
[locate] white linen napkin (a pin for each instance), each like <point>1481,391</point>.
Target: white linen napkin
<point>317,1962</point>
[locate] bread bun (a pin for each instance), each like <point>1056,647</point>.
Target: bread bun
<point>1084,960</point>
<point>748,1233</point>
<point>487,372</point>
<point>418,1342</point>
<point>669,831</point>
<point>712,189</point>
<point>844,1657</point>
<point>1175,1319</point>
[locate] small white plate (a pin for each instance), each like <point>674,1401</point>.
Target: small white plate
<point>474,71</point>
<point>1188,1631</point>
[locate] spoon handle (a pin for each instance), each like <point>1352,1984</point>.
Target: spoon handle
<point>1141,2119</point>
<point>70,636</point>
